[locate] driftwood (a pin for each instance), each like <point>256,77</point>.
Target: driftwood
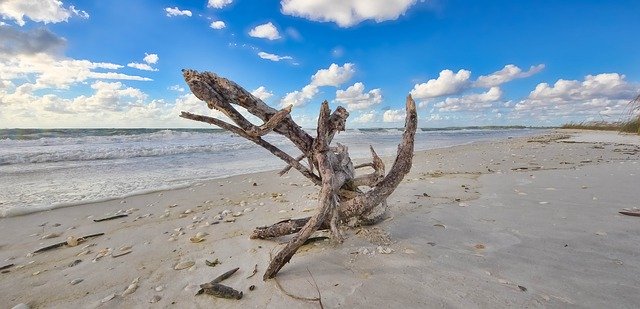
<point>215,288</point>
<point>110,218</point>
<point>630,213</point>
<point>64,243</point>
<point>344,198</point>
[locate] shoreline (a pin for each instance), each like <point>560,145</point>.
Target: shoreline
<point>469,227</point>
<point>26,210</point>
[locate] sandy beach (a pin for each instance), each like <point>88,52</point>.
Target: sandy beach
<point>520,222</point>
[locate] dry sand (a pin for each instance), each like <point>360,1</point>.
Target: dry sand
<point>526,222</point>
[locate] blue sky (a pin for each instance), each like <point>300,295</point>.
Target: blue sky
<point>117,63</point>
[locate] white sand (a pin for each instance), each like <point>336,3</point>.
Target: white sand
<point>483,235</point>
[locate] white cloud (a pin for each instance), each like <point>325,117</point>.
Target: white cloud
<point>218,24</point>
<point>141,66</point>
<point>218,4</point>
<point>273,57</point>
<point>79,13</point>
<point>605,94</point>
<point>177,88</point>
<point>262,93</point>
<point>45,11</point>
<point>394,115</point>
<point>300,98</point>
<point>476,101</point>
<point>507,74</point>
<point>356,99</point>
<point>346,13</point>
<point>265,31</point>
<point>335,75</point>
<point>447,83</point>
<point>175,11</point>
<point>367,117</point>
<point>150,58</point>
<point>50,72</point>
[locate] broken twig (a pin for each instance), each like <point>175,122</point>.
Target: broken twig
<point>110,218</point>
<point>60,244</point>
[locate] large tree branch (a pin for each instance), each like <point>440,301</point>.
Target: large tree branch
<point>219,91</point>
<point>264,144</point>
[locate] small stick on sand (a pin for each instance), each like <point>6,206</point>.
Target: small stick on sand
<point>255,271</point>
<point>60,244</point>
<point>630,213</point>
<point>10,265</point>
<point>110,218</point>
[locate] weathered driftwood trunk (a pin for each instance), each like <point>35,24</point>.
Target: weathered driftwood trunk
<point>341,198</point>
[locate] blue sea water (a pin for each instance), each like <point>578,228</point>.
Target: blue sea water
<point>44,169</point>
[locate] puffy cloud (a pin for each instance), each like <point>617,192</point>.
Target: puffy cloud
<point>218,24</point>
<point>262,93</point>
<point>14,41</point>
<point>175,11</point>
<point>367,117</point>
<point>507,74</point>
<point>45,11</point>
<point>447,83</point>
<point>218,4</point>
<point>394,115</point>
<point>300,98</point>
<point>335,75</point>
<point>50,72</point>
<point>265,31</point>
<point>605,94</point>
<point>469,102</point>
<point>149,59</point>
<point>346,13</point>
<point>273,57</point>
<point>356,99</point>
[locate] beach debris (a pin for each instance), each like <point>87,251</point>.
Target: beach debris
<point>479,246</point>
<point>64,243</point>
<point>601,233</point>
<point>108,298</point>
<point>212,264</point>
<point>102,253</point>
<point>253,273</point>
<point>199,237</point>
<point>120,253</point>
<point>72,241</point>
<point>219,290</point>
<point>630,213</point>
<point>230,220</point>
<point>111,218</point>
<point>74,263</point>
<point>155,299</point>
<point>188,211</point>
<point>159,288</point>
<point>132,287</point>
<point>252,287</point>
<point>76,281</point>
<point>5,267</point>
<point>21,306</point>
<point>522,288</point>
<point>384,250</point>
<point>238,214</point>
<point>340,198</point>
<point>184,265</point>
<point>440,225</point>
<point>50,235</point>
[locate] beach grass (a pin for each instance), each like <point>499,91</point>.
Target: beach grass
<point>630,125</point>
